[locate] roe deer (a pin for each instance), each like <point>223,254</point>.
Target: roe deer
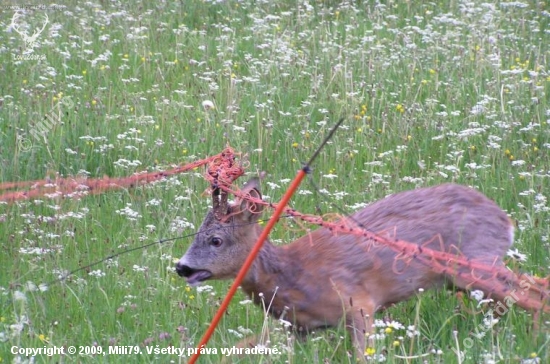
<point>324,278</point>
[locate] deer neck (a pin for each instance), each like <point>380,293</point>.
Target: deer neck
<point>265,273</point>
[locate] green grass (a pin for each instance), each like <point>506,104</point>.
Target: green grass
<point>431,93</point>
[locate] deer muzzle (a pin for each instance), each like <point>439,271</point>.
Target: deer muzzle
<point>194,277</point>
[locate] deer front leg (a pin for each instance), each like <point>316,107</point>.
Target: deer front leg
<point>359,323</point>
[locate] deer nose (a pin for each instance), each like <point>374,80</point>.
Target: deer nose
<point>183,270</point>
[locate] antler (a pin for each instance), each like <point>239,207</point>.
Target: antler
<point>221,173</point>
<point>219,199</point>
<point>35,35</point>
<point>30,40</point>
<point>14,26</point>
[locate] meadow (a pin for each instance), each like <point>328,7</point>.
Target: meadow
<point>431,92</point>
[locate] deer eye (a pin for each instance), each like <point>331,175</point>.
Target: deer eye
<point>216,242</point>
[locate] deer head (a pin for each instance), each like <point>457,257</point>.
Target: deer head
<point>28,39</point>
<point>224,239</point>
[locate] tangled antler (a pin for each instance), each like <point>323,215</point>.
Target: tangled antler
<point>221,173</point>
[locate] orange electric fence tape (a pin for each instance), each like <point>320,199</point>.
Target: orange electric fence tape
<point>75,187</point>
<point>249,260</point>
<point>261,239</point>
<point>223,171</point>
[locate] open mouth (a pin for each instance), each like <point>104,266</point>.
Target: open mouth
<point>193,276</point>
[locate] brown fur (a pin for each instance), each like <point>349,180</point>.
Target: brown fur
<point>324,278</point>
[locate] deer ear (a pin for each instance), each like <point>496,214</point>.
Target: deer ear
<point>250,210</point>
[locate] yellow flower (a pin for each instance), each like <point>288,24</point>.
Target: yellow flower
<point>84,72</point>
<point>94,102</point>
<point>187,289</point>
<point>294,145</point>
<point>125,55</point>
<point>400,108</point>
<point>396,343</point>
<point>43,338</point>
<point>370,351</point>
<point>388,330</point>
<point>432,71</point>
